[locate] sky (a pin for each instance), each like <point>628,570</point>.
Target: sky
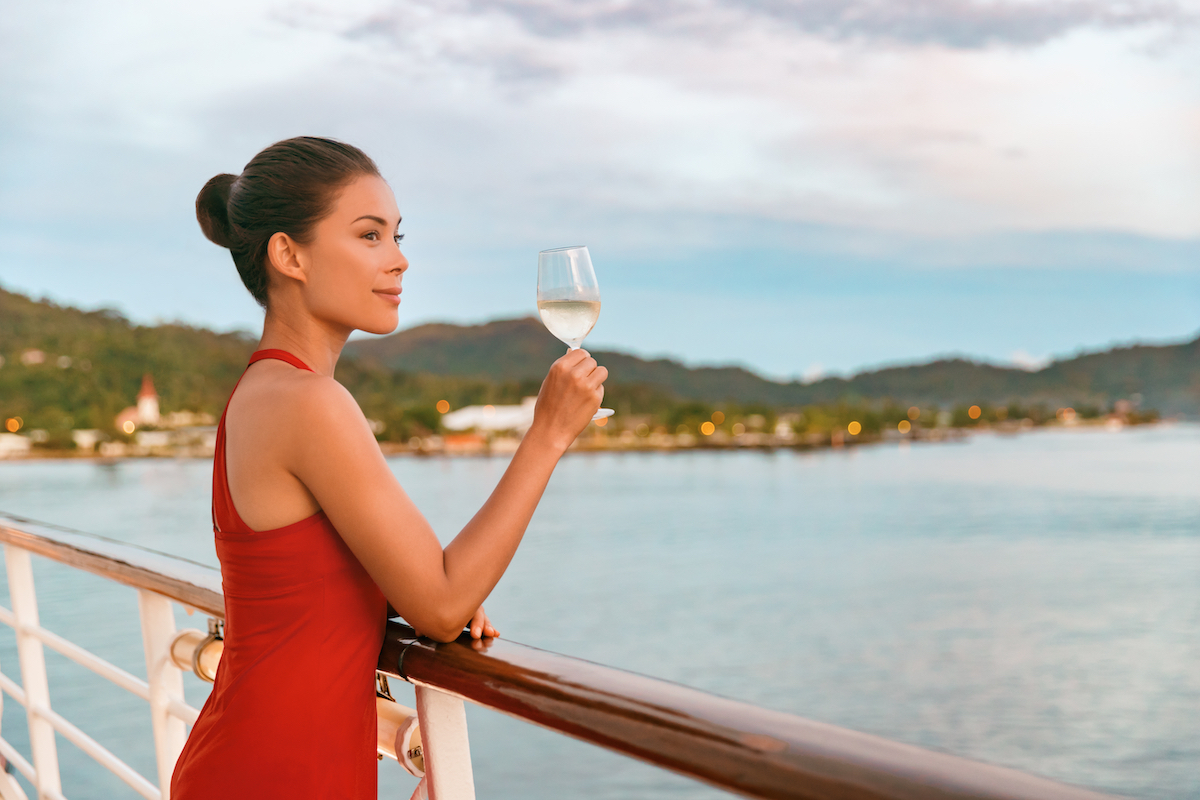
<point>807,187</point>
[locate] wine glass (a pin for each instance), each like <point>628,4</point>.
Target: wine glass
<point>568,297</point>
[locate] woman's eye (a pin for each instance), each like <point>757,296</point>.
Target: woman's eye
<point>371,235</point>
<point>399,237</point>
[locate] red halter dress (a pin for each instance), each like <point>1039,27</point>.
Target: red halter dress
<point>292,712</point>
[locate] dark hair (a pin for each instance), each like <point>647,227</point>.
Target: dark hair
<point>286,188</point>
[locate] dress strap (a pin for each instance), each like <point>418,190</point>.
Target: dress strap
<point>279,355</point>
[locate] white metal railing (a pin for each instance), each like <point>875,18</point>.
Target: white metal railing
<point>751,751</point>
<point>160,581</point>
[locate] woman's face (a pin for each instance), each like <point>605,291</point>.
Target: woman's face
<point>354,264</point>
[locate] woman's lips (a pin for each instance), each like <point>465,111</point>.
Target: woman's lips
<point>391,295</point>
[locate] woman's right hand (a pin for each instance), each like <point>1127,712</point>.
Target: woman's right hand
<point>570,395</point>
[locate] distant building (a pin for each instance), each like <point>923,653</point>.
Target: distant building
<point>147,403</point>
<point>14,445</point>
<point>144,413</point>
<point>86,439</point>
<point>492,418</point>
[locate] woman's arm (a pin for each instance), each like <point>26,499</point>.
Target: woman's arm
<point>435,590</point>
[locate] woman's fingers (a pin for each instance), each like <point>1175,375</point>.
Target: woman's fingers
<point>571,393</point>
<point>481,626</point>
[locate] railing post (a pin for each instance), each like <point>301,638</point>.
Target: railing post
<point>33,669</point>
<point>444,743</point>
<point>166,682</point>
<point>9,788</point>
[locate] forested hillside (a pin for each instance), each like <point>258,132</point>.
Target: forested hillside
<point>64,368</point>
<point>1166,376</point>
<point>67,368</point>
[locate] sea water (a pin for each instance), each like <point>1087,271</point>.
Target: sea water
<point>1031,601</point>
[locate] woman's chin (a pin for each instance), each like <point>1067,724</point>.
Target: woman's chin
<point>381,325</point>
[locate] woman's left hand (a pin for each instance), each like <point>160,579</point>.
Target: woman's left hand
<point>481,626</point>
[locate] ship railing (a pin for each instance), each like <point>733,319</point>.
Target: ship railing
<point>744,749</point>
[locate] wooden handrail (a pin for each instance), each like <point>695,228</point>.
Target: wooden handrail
<point>736,746</point>
<point>188,582</point>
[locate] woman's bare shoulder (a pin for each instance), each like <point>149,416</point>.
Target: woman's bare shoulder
<point>283,396</point>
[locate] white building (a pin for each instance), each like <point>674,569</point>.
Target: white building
<point>86,439</point>
<point>13,445</point>
<point>492,418</point>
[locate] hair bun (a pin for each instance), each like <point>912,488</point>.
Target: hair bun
<point>212,209</point>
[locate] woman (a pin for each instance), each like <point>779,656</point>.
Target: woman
<point>314,534</point>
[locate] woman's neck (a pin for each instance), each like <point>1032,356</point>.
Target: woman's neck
<point>314,343</point>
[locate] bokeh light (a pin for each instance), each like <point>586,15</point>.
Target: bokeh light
<point>854,428</point>
<point>974,412</point>
<point>128,426</point>
<point>13,424</point>
<point>905,426</point>
<point>718,417</point>
<point>914,413</point>
<point>443,406</point>
<point>707,428</point>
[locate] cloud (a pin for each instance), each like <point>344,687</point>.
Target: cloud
<point>952,23</point>
<point>750,155</point>
<point>892,115</point>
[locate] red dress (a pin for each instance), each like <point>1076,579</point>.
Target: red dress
<point>292,712</point>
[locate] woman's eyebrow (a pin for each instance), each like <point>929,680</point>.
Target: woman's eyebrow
<point>373,218</point>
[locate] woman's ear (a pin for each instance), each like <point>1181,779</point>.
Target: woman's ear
<point>284,254</point>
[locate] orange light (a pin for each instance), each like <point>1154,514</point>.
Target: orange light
<point>13,424</point>
<point>443,406</point>
<point>600,423</point>
<point>905,426</point>
<point>718,417</point>
<point>707,428</point>
<point>914,413</point>
<point>128,426</point>
<point>974,412</point>
<point>854,429</point>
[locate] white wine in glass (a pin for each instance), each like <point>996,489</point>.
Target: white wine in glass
<point>568,297</point>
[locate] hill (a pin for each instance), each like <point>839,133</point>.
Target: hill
<point>1166,376</point>
<point>65,368</point>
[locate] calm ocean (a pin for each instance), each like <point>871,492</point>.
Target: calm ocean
<point>1031,601</point>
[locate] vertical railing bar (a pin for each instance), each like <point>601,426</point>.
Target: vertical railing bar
<point>33,670</point>
<point>9,788</point>
<point>166,684</point>
<point>447,752</point>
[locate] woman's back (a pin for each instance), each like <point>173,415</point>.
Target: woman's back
<point>292,712</point>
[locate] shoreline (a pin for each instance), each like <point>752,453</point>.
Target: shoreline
<point>477,446</point>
